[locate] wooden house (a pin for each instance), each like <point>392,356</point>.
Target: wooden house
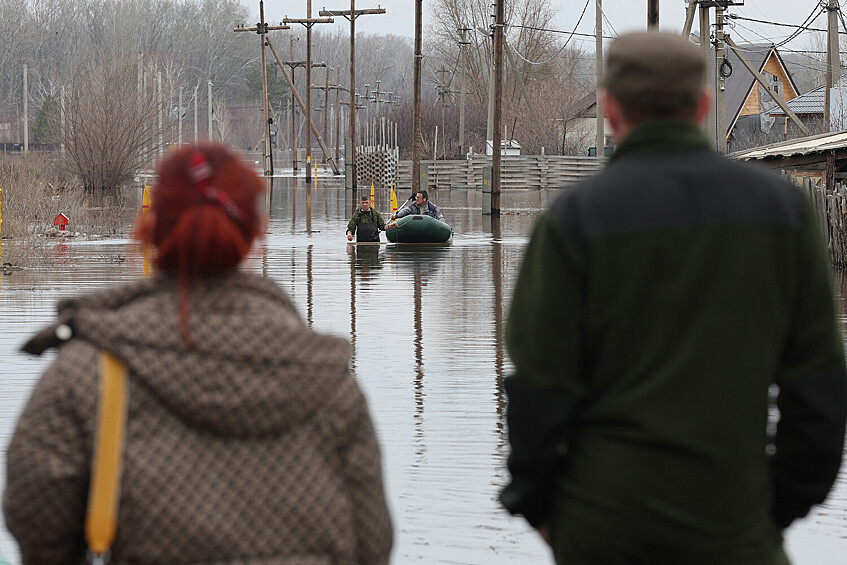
<point>748,103</point>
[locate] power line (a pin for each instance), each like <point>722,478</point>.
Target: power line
<point>779,24</point>
<point>579,21</point>
<point>560,31</point>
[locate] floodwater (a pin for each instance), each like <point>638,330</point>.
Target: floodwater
<point>430,363</point>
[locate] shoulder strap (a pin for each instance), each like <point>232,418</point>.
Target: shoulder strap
<point>101,518</point>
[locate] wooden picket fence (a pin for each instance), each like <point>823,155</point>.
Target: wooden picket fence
<point>831,207</point>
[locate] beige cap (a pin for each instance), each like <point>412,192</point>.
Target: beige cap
<point>646,65</point>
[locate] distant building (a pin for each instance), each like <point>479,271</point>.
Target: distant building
<point>809,108</point>
<point>580,129</point>
<point>508,147</point>
<point>748,103</point>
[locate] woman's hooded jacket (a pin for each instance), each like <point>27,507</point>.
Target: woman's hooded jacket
<point>254,448</point>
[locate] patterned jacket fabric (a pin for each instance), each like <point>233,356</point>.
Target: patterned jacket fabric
<point>255,448</point>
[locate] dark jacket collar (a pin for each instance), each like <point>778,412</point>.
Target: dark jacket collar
<point>662,136</point>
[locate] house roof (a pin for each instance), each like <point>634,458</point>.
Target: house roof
<point>740,84</point>
<point>810,103</point>
<point>816,144</point>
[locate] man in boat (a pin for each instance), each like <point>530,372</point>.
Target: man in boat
<point>421,205</point>
<point>659,308</point>
<point>365,223</point>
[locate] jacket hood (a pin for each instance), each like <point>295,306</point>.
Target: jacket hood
<point>255,369</point>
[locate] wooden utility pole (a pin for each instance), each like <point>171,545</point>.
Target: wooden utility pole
<point>308,22</point>
<point>26,111</point>
<point>338,89</point>
<point>262,29</point>
<point>295,144</point>
<point>600,139</point>
<point>833,62</point>
<point>705,45</point>
<point>310,121</point>
<point>179,115</point>
<point>196,119</point>
<point>351,16</point>
<point>462,45</point>
<point>325,110</point>
<point>209,112</point>
<point>690,12</point>
<point>496,149</point>
<point>160,102</point>
<point>653,13</point>
<point>720,82</point>
<point>326,103</point>
<point>416,130</point>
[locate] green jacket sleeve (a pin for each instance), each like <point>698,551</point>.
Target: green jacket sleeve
<point>812,383</point>
<point>543,328</point>
<point>544,342</point>
<point>380,223</point>
<point>354,221</point>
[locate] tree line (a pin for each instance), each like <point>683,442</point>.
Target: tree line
<point>121,64</point>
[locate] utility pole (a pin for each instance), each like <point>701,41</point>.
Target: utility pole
<point>310,122</point>
<point>337,109</point>
<point>351,16</point>
<point>720,81</point>
<point>325,89</point>
<point>295,143</point>
<point>209,111</point>
<point>462,45</point>
<point>496,153</point>
<point>489,126</point>
<point>600,139</point>
<point>833,61</point>
<point>326,102</point>
<point>705,45</point>
<point>653,13</point>
<point>416,130</point>
<point>179,115</point>
<point>159,100</point>
<point>308,22</point>
<point>690,11</point>
<point>26,111</point>
<point>196,88</point>
<point>443,91</point>
<point>262,29</point>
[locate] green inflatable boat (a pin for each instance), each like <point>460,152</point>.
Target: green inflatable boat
<point>418,228</point>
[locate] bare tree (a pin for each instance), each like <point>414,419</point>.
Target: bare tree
<point>110,132</point>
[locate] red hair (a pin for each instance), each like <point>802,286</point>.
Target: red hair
<point>201,227</point>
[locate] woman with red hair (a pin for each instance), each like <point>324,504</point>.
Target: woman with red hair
<point>247,438</point>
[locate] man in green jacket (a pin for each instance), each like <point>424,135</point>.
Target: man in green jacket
<point>365,223</point>
<point>659,306</point>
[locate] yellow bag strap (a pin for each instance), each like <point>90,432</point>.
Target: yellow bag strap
<point>101,519</point>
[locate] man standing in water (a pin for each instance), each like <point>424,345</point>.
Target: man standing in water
<point>658,304</point>
<point>365,223</point>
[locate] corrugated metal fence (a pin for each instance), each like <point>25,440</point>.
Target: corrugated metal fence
<point>520,171</point>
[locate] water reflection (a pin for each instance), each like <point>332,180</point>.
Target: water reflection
<point>426,324</point>
<point>497,314</point>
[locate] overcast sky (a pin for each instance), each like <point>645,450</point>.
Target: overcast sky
<point>623,16</point>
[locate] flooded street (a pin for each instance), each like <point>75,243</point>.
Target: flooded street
<point>430,363</point>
